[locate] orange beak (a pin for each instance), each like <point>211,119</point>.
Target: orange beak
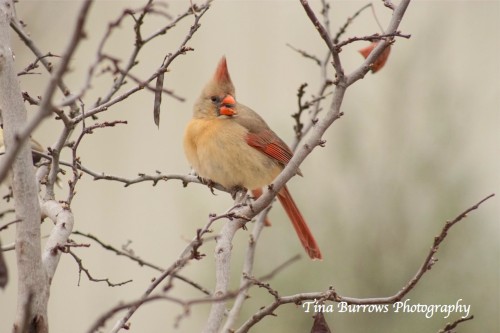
<point>227,106</point>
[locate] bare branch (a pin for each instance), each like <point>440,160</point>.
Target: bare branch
<point>46,106</point>
<point>143,84</point>
<point>306,54</point>
<point>64,221</point>
<point>130,255</point>
<point>7,211</point>
<point>118,252</point>
<point>41,56</point>
<point>108,101</point>
<point>333,114</point>
<point>450,326</point>
<point>299,128</point>
<point>76,159</point>
<point>30,99</point>
<point>332,295</point>
<point>32,281</point>
<point>189,253</point>
<point>372,38</point>
<point>185,304</point>
<point>81,269</point>
<point>325,35</point>
<point>223,250</point>
<point>6,225</point>
<point>34,64</point>
<point>247,271</point>
<point>348,22</point>
<point>426,265</point>
<point>397,16</point>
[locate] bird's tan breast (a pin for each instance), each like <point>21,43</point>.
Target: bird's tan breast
<point>217,150</point>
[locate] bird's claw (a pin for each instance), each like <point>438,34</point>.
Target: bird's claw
<point>237,189</point>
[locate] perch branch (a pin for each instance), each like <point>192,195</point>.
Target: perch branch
<point>247,271</point>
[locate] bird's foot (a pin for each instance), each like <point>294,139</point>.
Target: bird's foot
<point>211,184</point>
<point>239,192</point>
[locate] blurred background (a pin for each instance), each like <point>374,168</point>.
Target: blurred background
<point>419,143</point>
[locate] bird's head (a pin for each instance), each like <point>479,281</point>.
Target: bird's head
<point>218,97</point>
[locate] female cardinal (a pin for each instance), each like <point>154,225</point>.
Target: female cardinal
<point>230,144</point>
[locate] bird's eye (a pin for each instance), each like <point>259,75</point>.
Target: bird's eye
<point>215,99</point>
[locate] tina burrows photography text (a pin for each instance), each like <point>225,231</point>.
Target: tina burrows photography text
<point>406,306</point>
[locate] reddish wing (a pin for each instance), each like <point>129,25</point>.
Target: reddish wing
<point>268,143</point>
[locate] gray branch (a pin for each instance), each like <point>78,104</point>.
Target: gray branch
<point>32,283</point>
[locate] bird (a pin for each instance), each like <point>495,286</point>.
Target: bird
<point>36,150</point>
<point>35,147</point>
<point>228,143</point>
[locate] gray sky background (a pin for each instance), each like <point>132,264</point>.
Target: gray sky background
<point>418,144</point>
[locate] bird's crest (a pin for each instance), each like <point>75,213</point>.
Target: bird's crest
<point>221,75</point>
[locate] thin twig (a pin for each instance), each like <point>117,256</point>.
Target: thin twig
<point>138,260</point>
<point>426,265</point>
<point>76,159</point>
<point>325,35</point>
<point>306,54</point>
<point>189,253</point>
<point>6,225</point>
<point>7,211</point>
<point>28,69</point>
<point>81,269</point>
<point>450,326</point>
<point>372,38</point>
<point>348,22</point>
<point>332,295</point>
<point>185,304</point>
<point>109,100</point>
<point>46,106</point>
<point>18,28</point>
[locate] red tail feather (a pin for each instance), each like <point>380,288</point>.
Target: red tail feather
<point>300,225</point>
